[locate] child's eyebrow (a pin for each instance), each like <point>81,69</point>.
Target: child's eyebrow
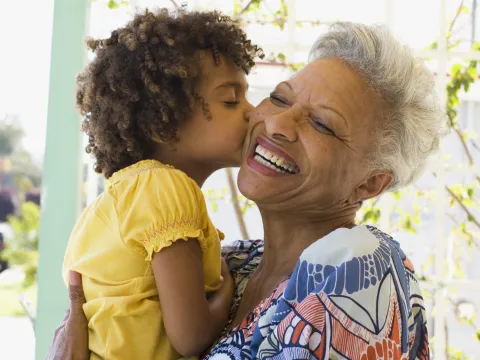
<point>234,84</point>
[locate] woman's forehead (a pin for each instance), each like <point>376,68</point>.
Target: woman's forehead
<point>326,76</point>
<point>332,82</point>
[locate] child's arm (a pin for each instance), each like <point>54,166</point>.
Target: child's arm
<point>192,323</point>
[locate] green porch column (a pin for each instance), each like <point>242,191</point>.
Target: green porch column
<point>61,195</point>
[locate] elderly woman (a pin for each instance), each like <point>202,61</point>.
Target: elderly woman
<point>360,119</point>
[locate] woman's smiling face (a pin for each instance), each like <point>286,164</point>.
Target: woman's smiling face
<point>307,144</point>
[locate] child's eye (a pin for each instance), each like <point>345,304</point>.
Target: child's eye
<point>231,103</point>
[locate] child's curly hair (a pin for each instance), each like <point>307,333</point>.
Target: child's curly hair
<point>142,81</point>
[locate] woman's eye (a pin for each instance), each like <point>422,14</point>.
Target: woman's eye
<point>322,127</point>
<point>277,100</point>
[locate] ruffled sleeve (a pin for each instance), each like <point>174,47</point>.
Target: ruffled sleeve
<point>158,207</point>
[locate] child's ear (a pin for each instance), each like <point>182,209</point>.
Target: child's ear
<point>156,138</point>
<point>169,144</point>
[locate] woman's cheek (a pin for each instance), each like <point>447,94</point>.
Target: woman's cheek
<point>260,112</point>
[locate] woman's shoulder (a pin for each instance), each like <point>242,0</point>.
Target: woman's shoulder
<point>360,280</point>
<point>357,259</point>
<point>363,244</point>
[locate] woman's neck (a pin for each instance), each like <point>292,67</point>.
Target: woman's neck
<point>286,236</point>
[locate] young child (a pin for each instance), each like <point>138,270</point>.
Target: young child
<point>164,105</point>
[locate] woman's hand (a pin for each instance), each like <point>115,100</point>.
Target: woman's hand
<point>70,341</point>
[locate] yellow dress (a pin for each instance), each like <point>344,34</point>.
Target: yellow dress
<point>145,208</point>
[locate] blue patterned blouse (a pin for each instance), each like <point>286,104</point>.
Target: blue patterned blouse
<point>352,295</point>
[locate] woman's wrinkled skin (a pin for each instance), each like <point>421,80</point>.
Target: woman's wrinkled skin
<point>323,118</point>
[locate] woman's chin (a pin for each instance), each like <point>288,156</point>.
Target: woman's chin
<point>248,184</point>
<point>257,186</point>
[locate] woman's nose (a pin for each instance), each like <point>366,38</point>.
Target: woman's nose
<point>282,126</point>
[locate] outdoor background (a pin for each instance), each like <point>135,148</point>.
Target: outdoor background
<point>437,220</point>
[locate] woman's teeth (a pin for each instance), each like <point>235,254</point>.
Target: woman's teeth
<point>274,161</point>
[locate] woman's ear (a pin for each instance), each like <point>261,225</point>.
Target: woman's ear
<point>373,186</point>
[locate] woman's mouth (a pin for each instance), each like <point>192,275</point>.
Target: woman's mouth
<point>270,160</point>
<point>274,161</point>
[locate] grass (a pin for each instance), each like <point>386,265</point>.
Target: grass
<point>9,303</point>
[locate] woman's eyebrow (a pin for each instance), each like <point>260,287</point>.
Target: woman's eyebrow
<point>322,106</point>
<point>287,84</point>
<point>318,106</point>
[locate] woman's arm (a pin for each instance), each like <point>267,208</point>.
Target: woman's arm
<point>191,321</point>
<point>70,341</point>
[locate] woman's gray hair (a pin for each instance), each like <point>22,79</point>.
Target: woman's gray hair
<point>412,129</point>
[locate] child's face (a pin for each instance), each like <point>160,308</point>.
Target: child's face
<point>217,142</point>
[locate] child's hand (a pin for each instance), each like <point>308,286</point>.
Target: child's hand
<point>227,277</point>
<point>221,301</point>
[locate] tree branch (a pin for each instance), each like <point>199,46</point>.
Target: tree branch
<point>455,221</point>
<point>462,205</point>
<point>236,204</point>
<point>245,9</point>
<point>460,134</point>
<point>445,330</point>
<point>457,14</point>
<point>474,144</point>
<point>175,4</point>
